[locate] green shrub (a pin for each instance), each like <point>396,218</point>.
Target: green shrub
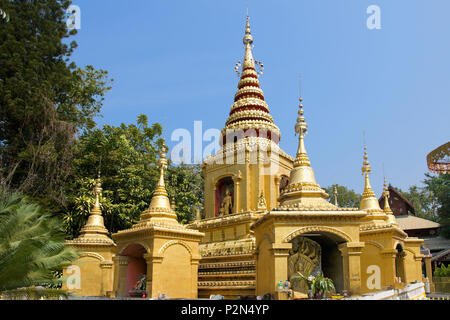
<point>443,271</point>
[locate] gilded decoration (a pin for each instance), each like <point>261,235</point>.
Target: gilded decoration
<point>304,258</point>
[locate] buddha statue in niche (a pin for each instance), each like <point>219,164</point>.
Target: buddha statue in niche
<point>226,206</point>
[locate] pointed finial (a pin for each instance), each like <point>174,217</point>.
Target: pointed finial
<point>162,162</point>
<point>335,196</point>
<point>172,204</point>
<point>369,201</point>
<point>94,229</point>
<point>97,192</point>
<point>248,38</point>
<point>198,214</point>
<point>366,168</point>
<point>301,127</point>
<point>387,207</point>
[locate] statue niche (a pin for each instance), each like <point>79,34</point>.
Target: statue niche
<point>304,257</point>
<point>224,197</point>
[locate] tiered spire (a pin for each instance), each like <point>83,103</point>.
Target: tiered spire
<point>249,110</point>
<point>303,188</point>
<point>160,209</point>
<point>335,192</point>
<point>94,230</point>
<point>387,207</point>
<point>369,201</point>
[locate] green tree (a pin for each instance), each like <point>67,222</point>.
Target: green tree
<point>127,158</point>
<point>347,198</point>
<point>185,185</point>
<point>423,201</point>
<point>439,186</point>
<point>32,245</point>
<point>45,100</point>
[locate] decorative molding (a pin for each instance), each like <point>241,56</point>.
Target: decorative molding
<point>375,243</point>
<point>92,255</point>
<point>106,264</point>
<point>172,243</point>
<point>302,230</point>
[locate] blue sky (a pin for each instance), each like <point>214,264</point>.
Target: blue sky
<point>174,61</point>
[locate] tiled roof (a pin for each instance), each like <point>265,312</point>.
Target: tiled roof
<point>436,243</point>
<point>413,223</point>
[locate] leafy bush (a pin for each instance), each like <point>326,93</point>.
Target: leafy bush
<point>443,271</point>
<point>32,247</point>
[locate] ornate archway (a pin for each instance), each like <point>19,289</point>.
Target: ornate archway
<point>315,250</point>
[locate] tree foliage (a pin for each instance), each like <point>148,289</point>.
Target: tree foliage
<point>432,201</point>
<point>439,186</point>
<point>423,201</point>
<point>347,198</point>
<point>127,158</point>
<point>185,183</point>
<point>44,99</point>
<point>31,245</point>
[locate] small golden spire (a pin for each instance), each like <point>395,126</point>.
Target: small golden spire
<point>369,201</point>
<point>301,128</point>
<point>160,197</point>
<point>198,214</point>
<point>95,227</point>
<point>248,39</point>
<point>387,207</point>
<point>335,196</point>
<point>97,191</point>
<point>172,204</point>
<point>160,209</point>
<point>249,62</point>
<point>303,188</point>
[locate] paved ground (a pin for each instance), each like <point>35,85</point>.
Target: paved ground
<point>437,295</point>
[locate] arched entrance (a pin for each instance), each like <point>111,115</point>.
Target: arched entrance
<point>400,263</point>
<point>136,269</point>
<point>313,253</point>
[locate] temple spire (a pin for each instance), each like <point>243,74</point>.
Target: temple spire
<point>96,210</point>
<point>249,62</point>
<point>160,197</point>
<point>335,196</point>
<point>301,128</point>
<point>94,229</point>
<point>249,110</point>
<point>387,208</point>
<point>160,211</point>
<point>369,201</point>
<point>303,188</point>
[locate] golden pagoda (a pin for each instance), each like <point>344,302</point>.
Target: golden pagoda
<point>157,249</point>
<point>265,220</point>
<point>361,249</point>
<point>96,251</point>
<point>242,181</point>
